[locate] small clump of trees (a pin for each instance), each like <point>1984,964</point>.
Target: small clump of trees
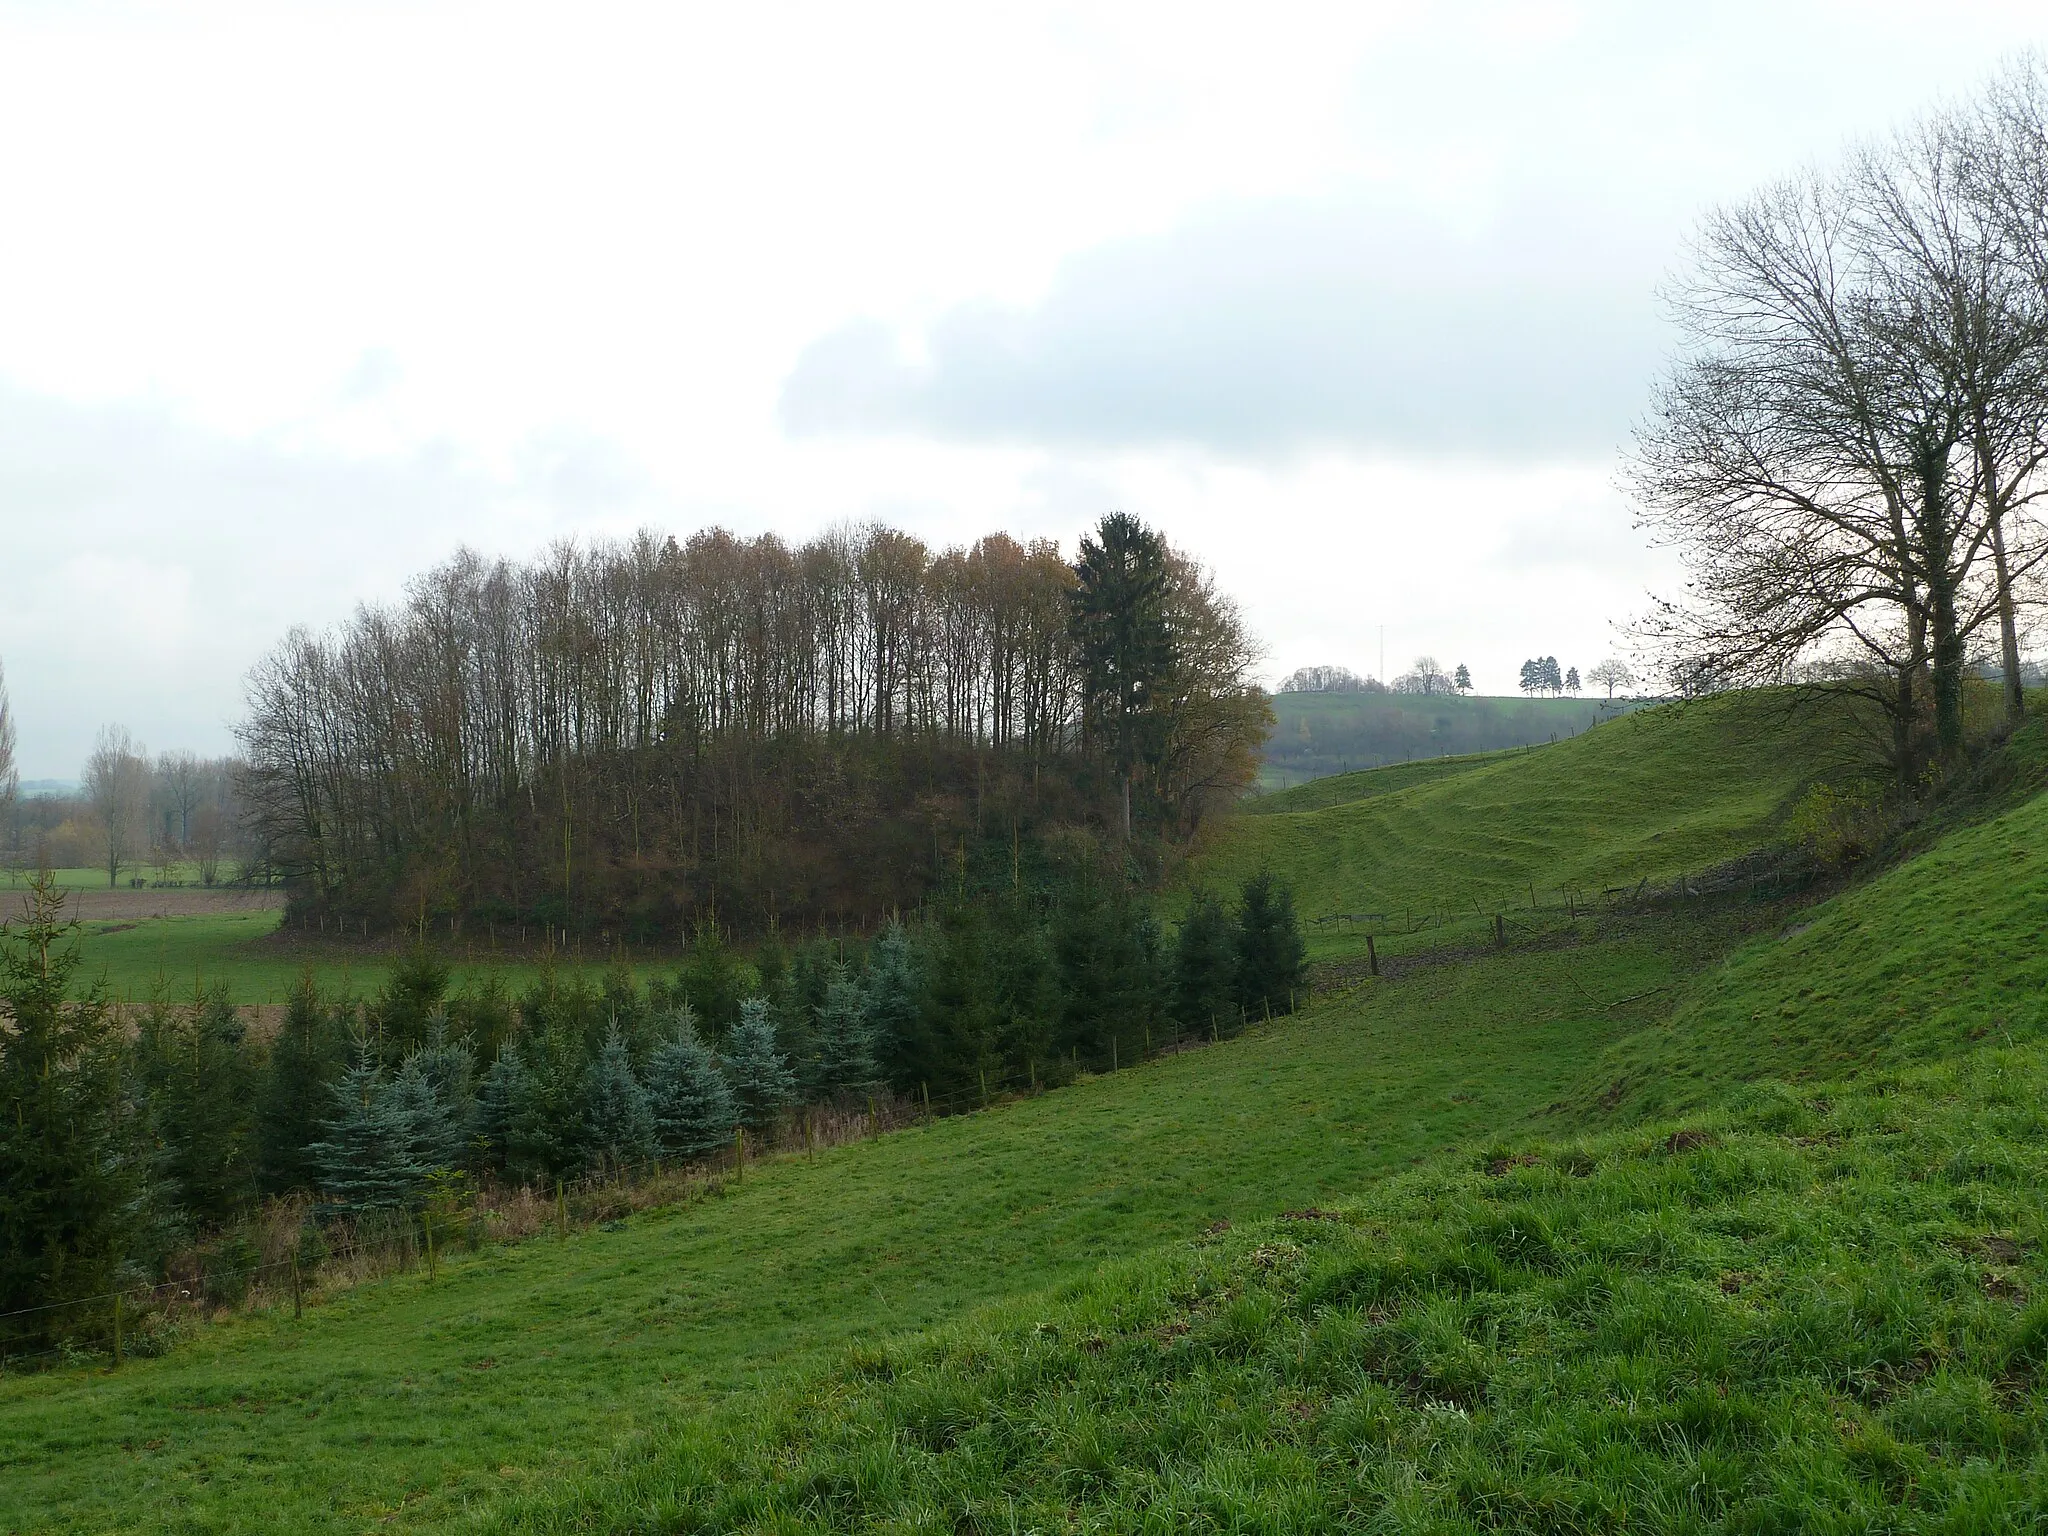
<point>619,739</point>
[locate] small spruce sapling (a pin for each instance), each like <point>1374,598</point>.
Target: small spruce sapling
<point>1272,957</point>
<point>365,1157</point>
<point>762,1083</point>
<point>692,1106</point>
<point>618,1125</point>
<point>845,1043</point>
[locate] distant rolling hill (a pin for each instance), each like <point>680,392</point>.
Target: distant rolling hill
<point>1316,734</point>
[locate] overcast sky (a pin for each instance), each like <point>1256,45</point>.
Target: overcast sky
<point>1357,302</point>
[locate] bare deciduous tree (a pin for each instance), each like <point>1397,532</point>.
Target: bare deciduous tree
<point>117,787</point>
<point>9,778</point>
<point>1611,674</point>
<point>1848,456</point>
<point>181,782</point>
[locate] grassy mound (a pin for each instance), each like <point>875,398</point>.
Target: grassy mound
<point>1931,955</point>
<point>1369,783</point>
<point>1655,794</point>
<point>1812,1314</point>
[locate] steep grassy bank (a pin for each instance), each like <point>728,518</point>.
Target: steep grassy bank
<point>1810,1313</point>
<point>1942,950</point>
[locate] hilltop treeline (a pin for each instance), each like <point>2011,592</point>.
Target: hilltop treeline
<point>622,738</point>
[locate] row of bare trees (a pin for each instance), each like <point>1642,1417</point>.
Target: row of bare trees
<point>1849,454</point>
<point>618,736</point>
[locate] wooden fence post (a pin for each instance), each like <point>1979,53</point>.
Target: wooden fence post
<point>1372,957</point>
<point>561,1211</point>
<point>1500,931</point>
<point>117,1330</point>
<point>298,1299</point>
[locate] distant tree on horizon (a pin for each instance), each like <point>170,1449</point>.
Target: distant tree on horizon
<point>1571,681</point>
<point>1462,678</point>
<point>1330,680</point>
<point>1611,674</point>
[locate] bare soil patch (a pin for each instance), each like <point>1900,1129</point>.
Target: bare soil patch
<point>126,904</point>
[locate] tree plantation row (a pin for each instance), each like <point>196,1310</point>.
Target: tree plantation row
<point>121,1149</point>
<point>618,739</point>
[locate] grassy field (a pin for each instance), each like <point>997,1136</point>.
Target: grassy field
<point>1818,1305</point>
<point>521,1364</point>
<point>1319,734</point>
<point>1656,794</point>
<point>245,952</point>
<point>1533,1309</point>
<point>1370,783</point>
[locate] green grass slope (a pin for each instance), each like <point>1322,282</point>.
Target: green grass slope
<point>519,1366</point>
<point>1368,784</point>
<point>1825,1314</point>
<point>1944,949</point>
<point>1317,734</point>
<point>1657,793</point>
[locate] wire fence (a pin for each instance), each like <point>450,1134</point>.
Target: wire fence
<point>1764,874</point>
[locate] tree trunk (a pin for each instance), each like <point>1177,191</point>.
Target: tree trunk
<point>2008,627</point>
<point>1948,670</point>
<point>1129,774</point>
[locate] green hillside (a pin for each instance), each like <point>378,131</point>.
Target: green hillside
<point>1506,1299</point>
<point>1814,1314</point>
<point>1813,1307</point>
<point>1368,783</point>
<point>412,1396</point>
<point>1318,734</point>
<point>1654,795</point>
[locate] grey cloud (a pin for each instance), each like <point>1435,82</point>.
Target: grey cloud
<point>1278,327</point>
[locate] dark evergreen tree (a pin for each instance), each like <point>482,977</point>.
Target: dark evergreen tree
<point>71,1170</point>
<point>365,1155</point>
<point>845,1042</point>
<point>412,998</point>
<point>618,1125</point>
<point>692,1105</point>
<point>200,1077</point>
<point>306,1056</point>
<point>499,1098</point>
<point>1462,678</point>
<point>1024,990</point>
<point>1272,956</point>
<point>1125,642</point>
<point>762,1084</point>
<point>895,1014</point>
<point>546,1134</point>
<point>710,982</point>
<point>484,1015</point>
<point>1107,952</point>
<point>960,1045</point>
<point>1205,967</point>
